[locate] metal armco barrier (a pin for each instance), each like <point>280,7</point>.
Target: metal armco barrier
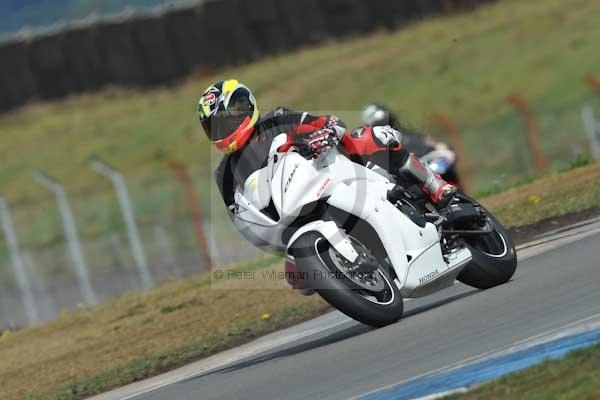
<point>156,54</point>
<point>16,79</point>
<point>262,19</point>
<point>158,48</point>
<point>49,66</point>
<point>84,60</point>
<point>122,57</point>
<point>347,17</point>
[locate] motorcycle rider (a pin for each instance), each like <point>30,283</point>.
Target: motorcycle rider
<point>231,119</point>
<point>419,144</point>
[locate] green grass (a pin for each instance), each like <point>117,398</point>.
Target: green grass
<point>555,194</point>
<point>236,334</point>
<point>143,334</point>
<point>464,65</point>
<point>576,376</point>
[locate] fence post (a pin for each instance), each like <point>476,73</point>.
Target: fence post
<point>45,303</point>
<point>533,132</point>
<point>450,127</point>
<point>21,276</point>
<point>591,128</point>
<point>593,82</point>
<point>79,264</point>
<point>183,175</point>
<point>133,233</point>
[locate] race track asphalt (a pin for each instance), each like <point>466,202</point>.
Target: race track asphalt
<point>549,290</point>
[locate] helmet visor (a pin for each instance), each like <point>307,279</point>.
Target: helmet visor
<point>229,118</point>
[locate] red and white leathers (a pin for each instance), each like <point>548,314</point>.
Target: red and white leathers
<point>382,146</point>
<point>318,132</point>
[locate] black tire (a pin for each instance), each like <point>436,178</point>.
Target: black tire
<point>494,257</point>
<point>312,257</point>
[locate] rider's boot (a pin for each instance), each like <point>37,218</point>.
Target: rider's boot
<point>440,192</point>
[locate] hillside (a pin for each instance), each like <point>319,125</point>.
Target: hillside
<point>143,334</point>
<point>464,65</point>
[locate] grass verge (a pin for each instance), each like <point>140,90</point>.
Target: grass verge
<point>552,195</point>
<point>462,65</point>
<point>142,334</point>
<point>234,335</point>
<point>145,333</point>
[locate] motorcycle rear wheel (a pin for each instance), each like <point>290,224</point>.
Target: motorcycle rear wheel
<point>316,258</point>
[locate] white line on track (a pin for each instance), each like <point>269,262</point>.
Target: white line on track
<point>218,360</point>
<point>334,319</point>
<point>583,325</point>
<point>441,395</point>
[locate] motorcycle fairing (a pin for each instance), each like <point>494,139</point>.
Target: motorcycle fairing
<point>289,182</point>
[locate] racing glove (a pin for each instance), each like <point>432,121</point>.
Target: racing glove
<point>312,144</point>
<point>315,135</point>
<point>321,141</point>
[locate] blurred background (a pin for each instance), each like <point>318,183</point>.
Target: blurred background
<point>106,177</point>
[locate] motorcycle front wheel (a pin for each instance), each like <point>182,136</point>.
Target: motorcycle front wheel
<point>368,296</point>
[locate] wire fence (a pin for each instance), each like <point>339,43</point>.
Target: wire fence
<point>44,277</point>
<point>498,153</point>
<point>166,233</point>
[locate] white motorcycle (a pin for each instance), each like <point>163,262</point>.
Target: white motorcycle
<point>361,240</point>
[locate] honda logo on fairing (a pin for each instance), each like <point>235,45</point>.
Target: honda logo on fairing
<point>289,180</point>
